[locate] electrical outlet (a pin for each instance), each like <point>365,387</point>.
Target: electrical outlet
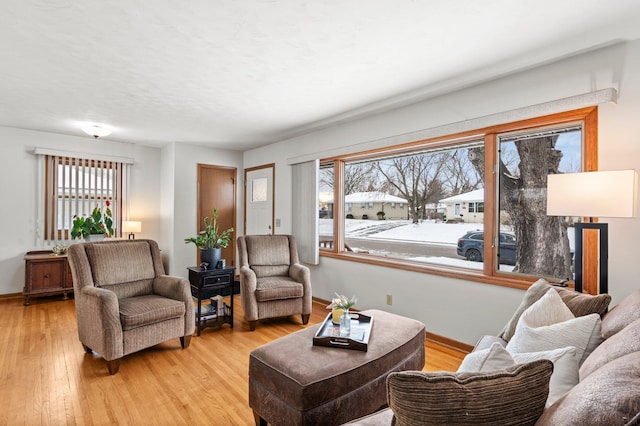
<point>389,299</point>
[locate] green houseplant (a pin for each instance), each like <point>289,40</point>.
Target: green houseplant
<point>211,240</point>
<point>98,223</point>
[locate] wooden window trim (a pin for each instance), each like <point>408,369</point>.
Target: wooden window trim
<point>489,275</point>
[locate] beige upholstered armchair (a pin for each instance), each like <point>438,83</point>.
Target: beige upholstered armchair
<point>273,283</point>
<point>124,301</point>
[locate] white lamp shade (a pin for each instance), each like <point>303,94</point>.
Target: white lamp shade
<point>592,194</point>
<point>132,226</point>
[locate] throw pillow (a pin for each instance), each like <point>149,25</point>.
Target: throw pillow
<point>531,296</point>
<point>609,396</point>
<point>565,365</point>
<point>580,304</point>
<point>515,396</point>
<point>621,315</point>
<point>548,324</point>
<point>621,343</point>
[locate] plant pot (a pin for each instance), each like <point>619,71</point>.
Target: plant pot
<point>94,237</point>
<point>211,256</point>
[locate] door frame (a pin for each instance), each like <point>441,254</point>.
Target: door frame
<point>273,194</point>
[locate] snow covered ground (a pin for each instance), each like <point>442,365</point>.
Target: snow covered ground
<point>431,232</point>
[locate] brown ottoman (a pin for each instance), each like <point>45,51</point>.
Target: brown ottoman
<point>292,382</point>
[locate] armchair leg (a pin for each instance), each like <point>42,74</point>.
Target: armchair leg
<point>113,366</point>
<point>87,349</point>
<point>252,325</point>
<point>185,341</point>
<point>305,318</point>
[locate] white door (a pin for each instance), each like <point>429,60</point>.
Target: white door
<point>259,200</point>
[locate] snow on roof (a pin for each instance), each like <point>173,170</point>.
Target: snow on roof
<point>477,195</point>
<point>373,197</point>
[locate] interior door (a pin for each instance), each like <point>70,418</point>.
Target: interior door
<point>258,194</point>
<point>217,189</point>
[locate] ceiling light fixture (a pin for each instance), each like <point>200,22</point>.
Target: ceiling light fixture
<point>96,131</point>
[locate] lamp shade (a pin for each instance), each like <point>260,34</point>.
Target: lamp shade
<point>132,226</point>
<point>592,194</point>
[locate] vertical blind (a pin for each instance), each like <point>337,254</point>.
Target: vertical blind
<point>305,210</point>
<point>74,186</point>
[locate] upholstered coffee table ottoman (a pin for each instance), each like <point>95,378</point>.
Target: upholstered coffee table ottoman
<point>292,382</point>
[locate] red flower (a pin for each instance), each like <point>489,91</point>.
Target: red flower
<point>107,203</point>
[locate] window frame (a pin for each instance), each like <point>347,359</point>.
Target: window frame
<point>489,274</point>
<point>51,201</point>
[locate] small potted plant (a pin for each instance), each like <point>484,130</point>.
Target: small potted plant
<point>211,241</point>
<point>99,224</point>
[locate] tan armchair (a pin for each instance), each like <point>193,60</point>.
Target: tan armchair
<point>124,301</point>
<point>273,283</point>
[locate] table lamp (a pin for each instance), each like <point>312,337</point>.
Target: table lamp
<point>132,226</point>
<point>592,194</point>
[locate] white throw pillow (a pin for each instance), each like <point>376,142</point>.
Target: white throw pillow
<point>493,358</point>
<point>565,365</point>
<point>549,324</point>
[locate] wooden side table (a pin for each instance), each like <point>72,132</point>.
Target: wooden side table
<point>45,275</point>
<point>206,283</point>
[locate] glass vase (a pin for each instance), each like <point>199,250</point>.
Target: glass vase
<point>345,324</point>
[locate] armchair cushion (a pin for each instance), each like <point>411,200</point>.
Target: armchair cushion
<point>144,310</point>
<point>277,288</point>
<point>269,256</point>
<point>514,396</point>
<point>134,263</point>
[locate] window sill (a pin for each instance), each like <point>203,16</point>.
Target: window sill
<point>521,283</point>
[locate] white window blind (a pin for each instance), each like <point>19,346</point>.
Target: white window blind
<point>305,210</point>
<point>74,186</point>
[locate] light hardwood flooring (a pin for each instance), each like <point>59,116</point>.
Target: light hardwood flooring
<point>47,378</point>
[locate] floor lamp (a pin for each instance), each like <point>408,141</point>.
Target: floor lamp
<point>592,195</point>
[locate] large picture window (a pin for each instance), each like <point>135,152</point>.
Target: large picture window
<point>476,202</point>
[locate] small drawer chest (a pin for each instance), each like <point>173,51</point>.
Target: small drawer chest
<point>46,274</point>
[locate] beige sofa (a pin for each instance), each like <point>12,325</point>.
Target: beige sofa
<point>124,301</point>
<point>608,391</point>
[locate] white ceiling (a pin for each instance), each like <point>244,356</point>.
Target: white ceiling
<point>243,73</point>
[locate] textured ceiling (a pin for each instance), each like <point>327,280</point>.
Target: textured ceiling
<point>242,73</point>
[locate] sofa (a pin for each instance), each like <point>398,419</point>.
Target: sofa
<point>593,383</point>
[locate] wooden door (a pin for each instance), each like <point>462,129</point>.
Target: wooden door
<point>217,189</point>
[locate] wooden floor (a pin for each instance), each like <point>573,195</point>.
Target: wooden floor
<point>47,378</point>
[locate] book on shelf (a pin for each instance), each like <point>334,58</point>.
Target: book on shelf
<point>206,312</point>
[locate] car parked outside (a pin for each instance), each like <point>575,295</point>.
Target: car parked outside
<point>471,246</point>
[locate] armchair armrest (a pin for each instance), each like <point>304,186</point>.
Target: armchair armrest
<point>300,273</point>
<point>177,288</point>
<point>248,279</point>
<point>99,325</point>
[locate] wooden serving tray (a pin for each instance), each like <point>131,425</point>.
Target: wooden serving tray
<point>329,333</point>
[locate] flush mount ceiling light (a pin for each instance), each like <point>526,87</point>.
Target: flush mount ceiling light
<point>96,131</point>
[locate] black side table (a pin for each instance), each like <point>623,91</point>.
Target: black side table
<point>206,283</point>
